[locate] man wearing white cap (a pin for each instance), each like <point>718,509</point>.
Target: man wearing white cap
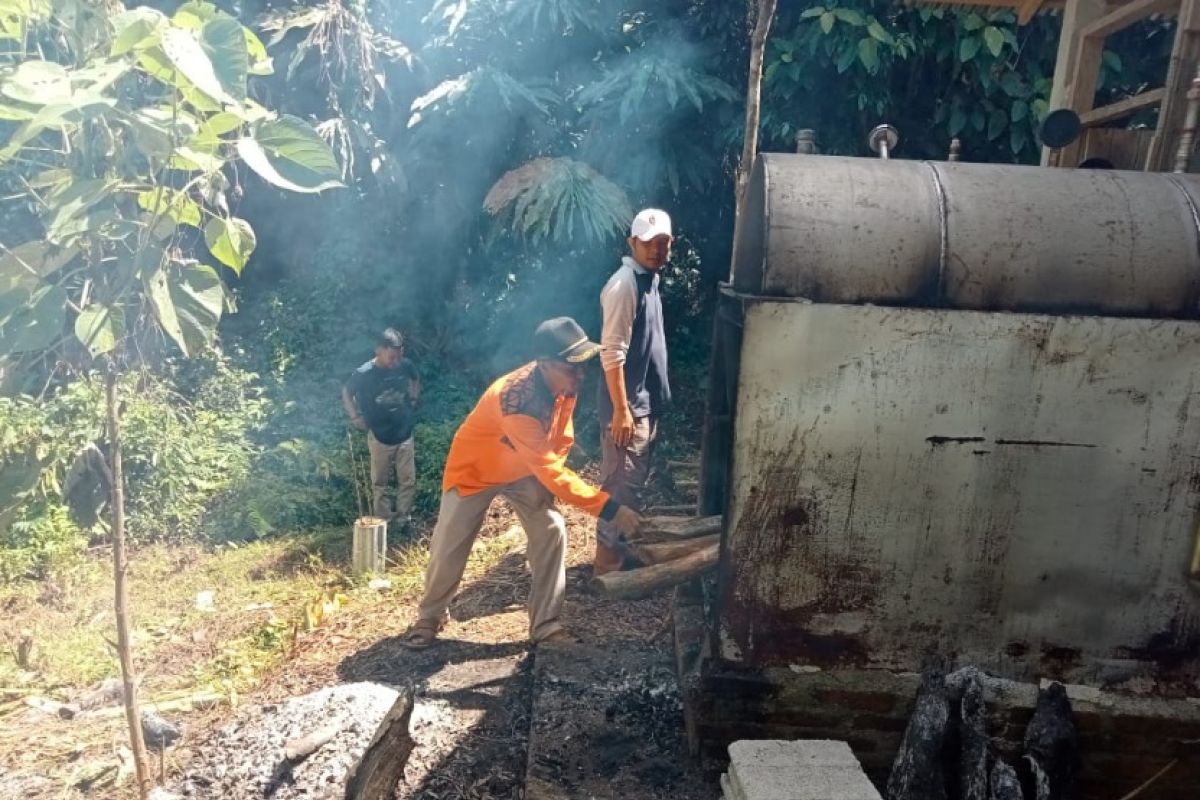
<point>633,353</point>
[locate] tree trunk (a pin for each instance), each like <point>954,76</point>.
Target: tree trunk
<point>124,646</point>
<point>643,582</point>
<point>758,43</point>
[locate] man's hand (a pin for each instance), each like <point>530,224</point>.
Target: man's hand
<point>627,520</point>
<point>622,426</point>
<point>359,423</point>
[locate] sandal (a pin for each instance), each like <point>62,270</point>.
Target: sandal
<point>420,635</point>
<point>560,636</point>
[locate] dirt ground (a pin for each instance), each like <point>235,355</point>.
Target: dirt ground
<point>479,693</point>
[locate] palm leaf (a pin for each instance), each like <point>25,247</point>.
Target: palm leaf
<point>544,198</point>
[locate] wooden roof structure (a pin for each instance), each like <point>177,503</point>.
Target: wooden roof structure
<point>1085,26</point>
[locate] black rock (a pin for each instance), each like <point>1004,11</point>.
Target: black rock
<point>1005,785</point>
<point>158,732</point>
<point>973,754</point>
<point>1052,746</point>
<point>918,773</point>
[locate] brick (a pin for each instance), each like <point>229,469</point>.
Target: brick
<point>806,783</point>
<point>875,702</point>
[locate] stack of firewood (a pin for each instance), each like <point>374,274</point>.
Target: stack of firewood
<point>674,550</point>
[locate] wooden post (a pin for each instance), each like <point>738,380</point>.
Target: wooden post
<point>758,42</point>
<point>1187,139</point>
<point>1076,15</point>
<point>1185,56</point>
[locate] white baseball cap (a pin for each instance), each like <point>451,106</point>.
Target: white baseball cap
<point>650,222</point>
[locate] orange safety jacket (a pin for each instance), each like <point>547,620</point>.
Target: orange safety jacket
<point>517,429</point>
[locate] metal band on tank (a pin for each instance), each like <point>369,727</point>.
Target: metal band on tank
<point>943,217</point>
<point>766,222</point>
<point>1187,198</point>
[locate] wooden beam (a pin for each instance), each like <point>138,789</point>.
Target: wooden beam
<point>1128,14</point>
<point>1122,108</point>
<point>1185,54</point>
<point>1078,13</point>
<point>1026,10</point>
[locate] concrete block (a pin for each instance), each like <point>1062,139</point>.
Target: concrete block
<point>791,754</point>
<point>801,783</point>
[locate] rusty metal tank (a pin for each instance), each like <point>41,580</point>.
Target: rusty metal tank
<point>954,409</point>
<point>971,236</point>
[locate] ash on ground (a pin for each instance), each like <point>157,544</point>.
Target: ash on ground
<point>245,759</point>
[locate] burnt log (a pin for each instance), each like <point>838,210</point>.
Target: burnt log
<point>1052,746</point>
<point>643,582</point>
<point>918,773</point>
<point>973,742</point>
<point>669,551</point>
<point>375,775</point>
<point>1004,783</point>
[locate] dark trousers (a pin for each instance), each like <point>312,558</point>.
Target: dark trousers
<point>623,474</point>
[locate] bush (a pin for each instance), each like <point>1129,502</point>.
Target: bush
<point>186,439</point>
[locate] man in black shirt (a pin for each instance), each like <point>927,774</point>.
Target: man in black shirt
<point>381,398</point>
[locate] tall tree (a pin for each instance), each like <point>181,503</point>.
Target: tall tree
<point>123,130</point>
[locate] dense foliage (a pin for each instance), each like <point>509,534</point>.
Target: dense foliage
<point>492,152</point>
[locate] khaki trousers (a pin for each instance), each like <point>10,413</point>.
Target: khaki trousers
<point>385,458</point>
<point>624,472</point>
<point>459,520</point>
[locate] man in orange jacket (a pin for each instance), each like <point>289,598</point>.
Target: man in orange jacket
<point>515,443</point>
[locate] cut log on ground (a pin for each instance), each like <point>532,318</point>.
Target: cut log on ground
<point>638,583</point>
<point>664,528</point>
<point>297,750</point>
<point>670,551</point>
<point>375,775</point>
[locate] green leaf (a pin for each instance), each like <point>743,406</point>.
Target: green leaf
<point>99,327</point>
<point>260,62</point>
<point>878,33</point>
<point>231,241</point>
<point>16,113</point>
<point>71,205</point>
<point>850,16</point>
<point>978,120</point>
<point>868,54</point>
<point>171,204</point>
<point>1112,61</point>
<point>815,11</point>
<point>958,121</point>
<point>1017,138</point>
<point>27,263</point>
<point>183,51</point>
<point>137,29</point>
<point>193,14</point>
<point>190,159</point>
<point>994,38</point>
<point>968,48</point>
<point>288,153</point>
<point>38,82</point>
<point>1012,84</point>
<point>1020,110</point>
<point>997,122</point>
<point>972,22</point>
<point>199,298</point>
<point>1040,109</point>
<point>827,20</point>
<point>225,44</point>
<point>846,57</point>
<point>37,324</point>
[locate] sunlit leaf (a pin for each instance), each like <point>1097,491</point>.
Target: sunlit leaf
<point>288,153</point>
<point>868,54</point>
<point>37,324</point>
<point>231,241</point>
<point>183,50</point>
<point>66,208</point>
<point>225,44</point>
<point>171,204</point>
<point>827,20</point>
<point>994,38</point>
<point>137,29</point>
<point>99,328</point>
<point>187,302</point>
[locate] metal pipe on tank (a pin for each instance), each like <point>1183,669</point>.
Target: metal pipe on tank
<point>955,150</point>
<point>882,140</point>
<point>806,142</point>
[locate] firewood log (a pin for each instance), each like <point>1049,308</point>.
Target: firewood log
<point>375,775</point>
<point>671,528</point>
<point>669,551</point>
<point>637,583</point>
